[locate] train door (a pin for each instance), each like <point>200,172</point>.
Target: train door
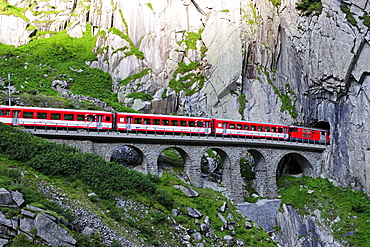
<point>323,137</point>
<point>224,128</point>
<point>213,126</point>
<point>207,127</point>
<point>128,123</point>
<point>15,117</point>
<point>99,124</point>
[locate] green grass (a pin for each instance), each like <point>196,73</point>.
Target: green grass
<point>352,207</point>
<point>349,15</point>
<point>307,7</point>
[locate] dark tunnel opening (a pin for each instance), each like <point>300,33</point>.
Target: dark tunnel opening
<point>321,125</point>
<point>289,165</point>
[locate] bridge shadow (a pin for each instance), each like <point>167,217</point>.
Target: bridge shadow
<point>294,164</point>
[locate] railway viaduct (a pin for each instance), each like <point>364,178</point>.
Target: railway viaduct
<point>268,155</point>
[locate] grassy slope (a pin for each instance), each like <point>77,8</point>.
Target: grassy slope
<point>34,66</point>
<point>76,174</point>
<point>352,207</point>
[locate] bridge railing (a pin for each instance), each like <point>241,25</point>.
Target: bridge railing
<point>163,132</point>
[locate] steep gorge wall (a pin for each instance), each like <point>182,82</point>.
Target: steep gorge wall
<point>290,68</point>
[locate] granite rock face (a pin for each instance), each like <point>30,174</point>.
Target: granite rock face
<point>298,230</point>
<point>310,70</point>
<point>32,222</point>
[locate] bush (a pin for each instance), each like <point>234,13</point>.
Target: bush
<point>309,6</point>
<point>105,178</point>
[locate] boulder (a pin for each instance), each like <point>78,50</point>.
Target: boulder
<point>229,241</point>
<point>51,232</point>
<point>223,208</point>
<point>6,199</point>
<point>17,197</point>
<point>192,212</point>
<point>188,191</point>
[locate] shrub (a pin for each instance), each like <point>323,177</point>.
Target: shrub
<point>105,178</point>
<point>309,6</point>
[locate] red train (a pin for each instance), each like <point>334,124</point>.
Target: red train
<point>101,120</point>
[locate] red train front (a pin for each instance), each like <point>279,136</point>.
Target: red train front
<point>302,134</point>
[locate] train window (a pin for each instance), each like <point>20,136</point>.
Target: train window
<point>41,115</point>
<point>220,125</point>
<point>107,118</point>
<point>174,122</point>
<point>293,130</point>
<point>267,129</point>
<point>137,120</point>
<point>156,121</point>
<point>1,112</point>
<point>199,124</point>
<point>68,117</point>
<point>27,114</point>
<point>147,121</point>
<point>90,118</point>
<point>79,117</point>
<point>312,132</point>
<point>280,130</point>
<point>322,133</point>
<point>239,126</point>
<point>191,123</point>
<point>273,129</point>
<point>260,128</point>
<point>165,122</point>
<point>232,126</point>
<point>55,116</point>
<point>253,127</point>
<point>182,123</point>
<point>7,113</point>
<point>246,127</point>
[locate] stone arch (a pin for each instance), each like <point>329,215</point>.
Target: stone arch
<point>144,167</point>
<point>231,177</point>
<point>262,179</point>
<point>294,163</point>
<point>184,155</point>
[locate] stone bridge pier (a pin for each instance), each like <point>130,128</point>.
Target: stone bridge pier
<point>269,163</point>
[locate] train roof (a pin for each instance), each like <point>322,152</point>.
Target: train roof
<point>161,115</point>
<point>295,126</point>
<point>251,122</point>
<point>51,109</point>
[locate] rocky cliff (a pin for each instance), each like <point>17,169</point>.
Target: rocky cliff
<point>240,59</point>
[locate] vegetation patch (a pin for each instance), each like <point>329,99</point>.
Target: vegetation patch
<point>352,208</point>
<point>275,2</point>
<point>191,39</point>
<point>140,95</point>
<point>7,9</point>
<point>105,178</point>
<point>132,50</point>
<point>134,77</point>
<point>190,82</point>
<point>307,7</point>
<point>288,98</point>
<point>34,66</point>
<point>242,104</point>
<point>349,15</point>
<point>366,20</point>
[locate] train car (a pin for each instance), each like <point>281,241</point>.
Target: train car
<point>55,118</point>
<point>303,134</point>
<point>250,129</point>
<point>162,123</point>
